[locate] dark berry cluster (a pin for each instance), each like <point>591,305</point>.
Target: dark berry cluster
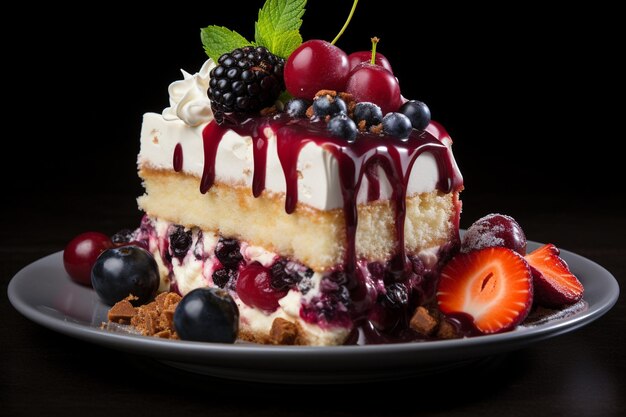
<point>245,80</point>
<point>346,118</point>
<point>286,274</point>
<point>228,253</point>
<point>180,241</point>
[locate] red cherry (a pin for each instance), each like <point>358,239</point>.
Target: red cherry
<point>315,65</point>
<point>356,58</point>
<point>255,289</point>
<point>81,253</point>
<point>495,230</point>
<point>375,84</point>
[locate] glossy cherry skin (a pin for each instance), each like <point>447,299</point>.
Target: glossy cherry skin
<point>356,58</point>
<point>495,230</point>
<point>316,65</point>
<point>375,84</point>
<point>81,253</point>
<point>254,287</point>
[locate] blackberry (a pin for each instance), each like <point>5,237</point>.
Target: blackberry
<point>180,241</point>
<point>245,80</point>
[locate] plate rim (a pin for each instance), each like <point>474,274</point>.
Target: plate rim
<point>173,348</point>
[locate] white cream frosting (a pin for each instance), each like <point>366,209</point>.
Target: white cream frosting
<point>189,100</point>
<point>318,183</point>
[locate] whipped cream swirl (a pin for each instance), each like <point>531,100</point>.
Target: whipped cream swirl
<point>189,100</point>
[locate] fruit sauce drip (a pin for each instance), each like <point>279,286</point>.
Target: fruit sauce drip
<point>177,161</point>
<point>357,159</point>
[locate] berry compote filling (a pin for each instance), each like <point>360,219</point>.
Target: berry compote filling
<point>374,297</point>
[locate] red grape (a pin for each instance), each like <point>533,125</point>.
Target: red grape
<point>316,65</point>
<point>81,253</point>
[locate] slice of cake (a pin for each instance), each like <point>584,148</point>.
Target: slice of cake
<point>294,196</point>
<point>297,224</point>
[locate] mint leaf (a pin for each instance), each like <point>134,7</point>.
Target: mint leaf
<point>218,40</point>
<point>289,41</point>
<point>277,27</point>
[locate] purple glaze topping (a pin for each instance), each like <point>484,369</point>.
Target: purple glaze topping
<point>355,159</point>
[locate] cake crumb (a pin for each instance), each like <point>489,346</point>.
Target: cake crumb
<point>310,112</point>
<point>347,97</point>
<point>122,312</point>
<point>376,129</point>
<point>423,322</point>
<point>283,332</point>
<point>331,93</point>
<point>446,330</point>
<point>152,319</point>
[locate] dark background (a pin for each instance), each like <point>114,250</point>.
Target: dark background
<point>523,91</point>
<point>530,96</point>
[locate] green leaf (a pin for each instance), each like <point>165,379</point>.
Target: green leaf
<point>289,41</point>
<point>218,40</point>
<point>277,27</point>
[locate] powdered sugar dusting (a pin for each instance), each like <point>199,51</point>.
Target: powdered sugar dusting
<point>482,235</point>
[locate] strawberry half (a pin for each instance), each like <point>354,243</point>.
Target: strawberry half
<point>555,285</point>
<point>493,286</point>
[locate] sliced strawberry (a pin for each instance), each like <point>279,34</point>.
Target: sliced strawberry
<point>493,286</point>
<point>555,285</point>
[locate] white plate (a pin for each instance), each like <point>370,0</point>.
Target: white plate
<point>43,292</point>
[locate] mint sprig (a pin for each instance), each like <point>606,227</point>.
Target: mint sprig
<point>277,29</point>
<point>218,40</point>
<point>278,26</point>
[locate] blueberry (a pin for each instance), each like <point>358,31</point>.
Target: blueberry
<point>417,112</point>
<point>342,126</point>
<point>122,237</point>
<point>207,315</point>
<point>327,105</point>
<point>228,253</point>
<point>370,112</point>
<point>397,124</point>
<point>119,272</point>
<point>180,241</point>
<point>296,107</point>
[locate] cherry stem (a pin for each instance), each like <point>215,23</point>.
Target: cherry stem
<point>375,41</point>
<point>345,25</point>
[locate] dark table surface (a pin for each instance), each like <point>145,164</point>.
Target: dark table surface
<point>523,130</point>
<point>580,373</point>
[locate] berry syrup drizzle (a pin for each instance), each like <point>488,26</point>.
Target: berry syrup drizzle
<point>357,159</point>
<point>177,160</point>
